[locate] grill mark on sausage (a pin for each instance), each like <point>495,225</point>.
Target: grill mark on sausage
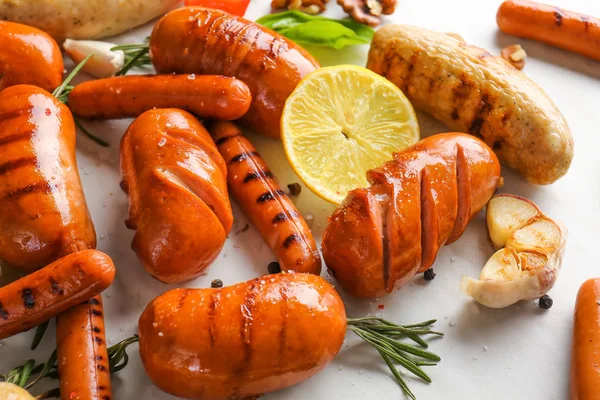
<point>3,312</point>
<point>293,238</point>
<point>101,367</point>
<point>252,176</point>
<point>56,289</point>
<point>480,115</point>
<point>212,311</point>
<point>209,31</point>
<point>15,138</point>
<point>106,397</point>
<point>241,157</point>
<point>282,216</point>
<point>94,301</point>
<point>28,298</point>
<point>182,300</point>
<point>270,196</point>
<point>224,139</point>
<point>97,330</point>
<point>246,310</point>
<point>16,163</point>
<point>558,18</point>
<point>98,340</point>
<point>249,46</point>
<point>411,66</point>
<point>14,113</point>
<point>38,187</point>
<point>97,313</point>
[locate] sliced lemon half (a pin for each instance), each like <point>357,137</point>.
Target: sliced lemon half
<point>342,121</point>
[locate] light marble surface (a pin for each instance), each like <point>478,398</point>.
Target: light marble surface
<point>521,352</point>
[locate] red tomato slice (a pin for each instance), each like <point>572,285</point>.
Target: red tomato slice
<point>236,7</point>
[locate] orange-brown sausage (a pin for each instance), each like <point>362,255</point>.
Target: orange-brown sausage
<point>551,25</point>
<point>43,212</point>
<point>206,96</point>
<point>244,340</point>
<point>585,374</point>
<point>28,56</point>
<point>52,290</point>
<point>82,356</point>
<point>204,41</point>
<point>256,190</point>
<point>177,186</point>
<point>382,236</point>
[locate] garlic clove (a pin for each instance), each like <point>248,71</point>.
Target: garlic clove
<point>104,62</point>
<point>507,213</point>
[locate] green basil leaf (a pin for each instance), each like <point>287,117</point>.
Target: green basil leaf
<point>316,30</point>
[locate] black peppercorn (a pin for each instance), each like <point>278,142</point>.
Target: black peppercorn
<point>295,188</point>
<point>274,267</point>
<point>429,274</point>
<point>546,302</point>
<point>217,283</point>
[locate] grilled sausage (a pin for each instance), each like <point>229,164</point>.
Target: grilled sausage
<point>256,190</point>
<point>244,340</point>
<point>382,236</point>
<point>81,352</point>
<point>129,96</point>
<point>585,376</point>
<point>177,186</point>
<point>551,25</point>
<point>471,91</point>
<point>28,56</point>
<point>43,212</point>
<point>202,41</point>
<point>52,290</point>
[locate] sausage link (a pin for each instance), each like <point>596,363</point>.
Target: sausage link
<point>83,363</point>
<point>206,96</point>
<point>256,190</point>
<point>177,186</point>
<point>380,237</point>
<point>204,41</point>
<point>551,25</point>
<point>43,212</point>
<point>241,341</point>
<point>28,56</point>
<point>52,290</point>
<point>585,375</point>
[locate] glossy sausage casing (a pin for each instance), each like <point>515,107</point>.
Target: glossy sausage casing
<point>380,237</point>
<point>585,360</point>
<point>177,186</point>
<point>551,25</point>
<point>256,190</point>
<point>203,41</point>
<point>244,340</point>
<point>44,294</point>
<point>43,212</point>
<point>28,56</point>
<point>82,357</point>
<point>205,96</point>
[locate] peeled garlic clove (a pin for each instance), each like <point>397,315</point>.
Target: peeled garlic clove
<point>9,391</point>
<point>506,214</point>
<point>104,62</point>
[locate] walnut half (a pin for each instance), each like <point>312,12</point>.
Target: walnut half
<point>308,6</point>
<point>368,11</point>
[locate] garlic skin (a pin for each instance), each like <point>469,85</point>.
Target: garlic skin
<point>9,391</point>
<point>104,62</point>
<point>530,257</point>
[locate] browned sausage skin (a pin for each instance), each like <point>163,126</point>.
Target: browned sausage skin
<point>204,41</point>
<point>256,190</point>
<point>43,212</point>
<point>52,290</point>
<point>177,187</point>
<point>241,341</point>
<point>205,96</point>
<point>82,356</point>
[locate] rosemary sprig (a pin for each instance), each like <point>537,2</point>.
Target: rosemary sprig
<point>87,133</point>
<point>29,374</point>
<point>136,56</point>
<point>384,335</point>
<point>64,89</point>
<point>39,334</point>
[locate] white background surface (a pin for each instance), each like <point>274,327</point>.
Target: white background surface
<point>528,349</point>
